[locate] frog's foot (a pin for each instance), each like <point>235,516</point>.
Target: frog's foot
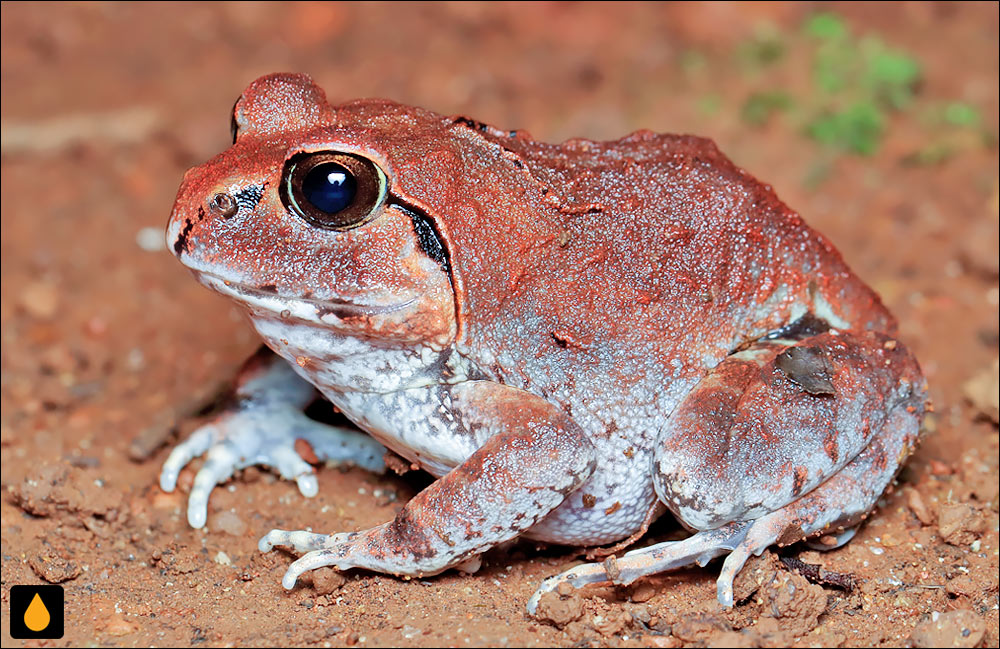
<point>264,436</point>
<point>261,429</point>
<point>535,457</point>
<point>320,550</point>
<point>695,550</point>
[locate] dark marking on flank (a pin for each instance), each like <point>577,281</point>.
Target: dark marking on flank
<point>830,445</point>
<point>589,500</point>
<point>805,327</point>
<point>340,312</point>
<point>799,479</point>
<point>565,339</point>
<point>613,508</point>
<point>807,367</point>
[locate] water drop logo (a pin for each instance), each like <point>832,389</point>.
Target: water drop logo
<point>37,612</point>
<point>37,616</point>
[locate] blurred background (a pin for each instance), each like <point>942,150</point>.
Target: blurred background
<point>877,122</point>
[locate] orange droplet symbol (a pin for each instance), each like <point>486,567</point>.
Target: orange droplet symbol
<point>36,617</point>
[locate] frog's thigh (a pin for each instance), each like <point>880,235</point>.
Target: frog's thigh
<point>773,422</point>
<point>838,503</point>
<point>533,456</point>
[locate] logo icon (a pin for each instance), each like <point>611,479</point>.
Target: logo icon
<point>37,612</point>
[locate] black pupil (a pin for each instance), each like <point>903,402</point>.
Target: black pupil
<point>330,187</point>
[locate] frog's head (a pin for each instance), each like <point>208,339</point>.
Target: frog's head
<point>300,219</point>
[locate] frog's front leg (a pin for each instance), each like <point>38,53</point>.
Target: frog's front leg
<point>534,455</point>
<point>780,442</point>
<point>260,427</point>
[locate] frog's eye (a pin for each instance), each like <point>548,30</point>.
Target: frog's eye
<point>337,191</point>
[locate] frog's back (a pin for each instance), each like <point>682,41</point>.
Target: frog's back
<point>622,267</point>
<point>651,256</point>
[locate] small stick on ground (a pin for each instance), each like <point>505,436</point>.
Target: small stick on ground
<point>817,575</point>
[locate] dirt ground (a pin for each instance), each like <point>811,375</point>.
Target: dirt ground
<point>106,339</point>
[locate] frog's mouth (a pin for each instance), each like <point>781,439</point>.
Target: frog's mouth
<point>320,311</point>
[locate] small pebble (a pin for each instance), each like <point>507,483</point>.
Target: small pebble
<point>230,523</point>
<point>916,504</point>
<point>559,610</point>
<point>565,588</point>
<point>40,299</point>
<point>327,580</point>
<point>959,524</point>
<point>961,585</point>
<point>150,239</point>
<point>643,592</point>
<point>117,626</point>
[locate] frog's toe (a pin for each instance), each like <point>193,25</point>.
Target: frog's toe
<point>217,468</point>
<point>183,453</point>
<point>343,445</point>
<point>312,561</point>
<point>588,573</point>
<point>291,466</point>
<point>320,550</point>
<point>300,540</point>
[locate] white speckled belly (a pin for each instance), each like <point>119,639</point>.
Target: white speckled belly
<point>402,398</point>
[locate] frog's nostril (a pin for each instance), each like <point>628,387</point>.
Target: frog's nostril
<point>223,205</point>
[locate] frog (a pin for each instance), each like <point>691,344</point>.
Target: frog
<point>572,339</point>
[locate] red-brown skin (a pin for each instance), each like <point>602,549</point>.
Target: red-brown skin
<point>589,288</point>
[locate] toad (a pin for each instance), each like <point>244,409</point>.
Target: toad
<point>572,338</point>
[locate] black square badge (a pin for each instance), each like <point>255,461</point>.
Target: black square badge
<point>37,612</point>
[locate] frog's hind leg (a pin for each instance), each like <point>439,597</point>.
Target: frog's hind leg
<point>835,507</point>
<point>771,423</point>
<point>780,442</point>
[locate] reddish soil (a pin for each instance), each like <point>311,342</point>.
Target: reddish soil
<point>106,338</point>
